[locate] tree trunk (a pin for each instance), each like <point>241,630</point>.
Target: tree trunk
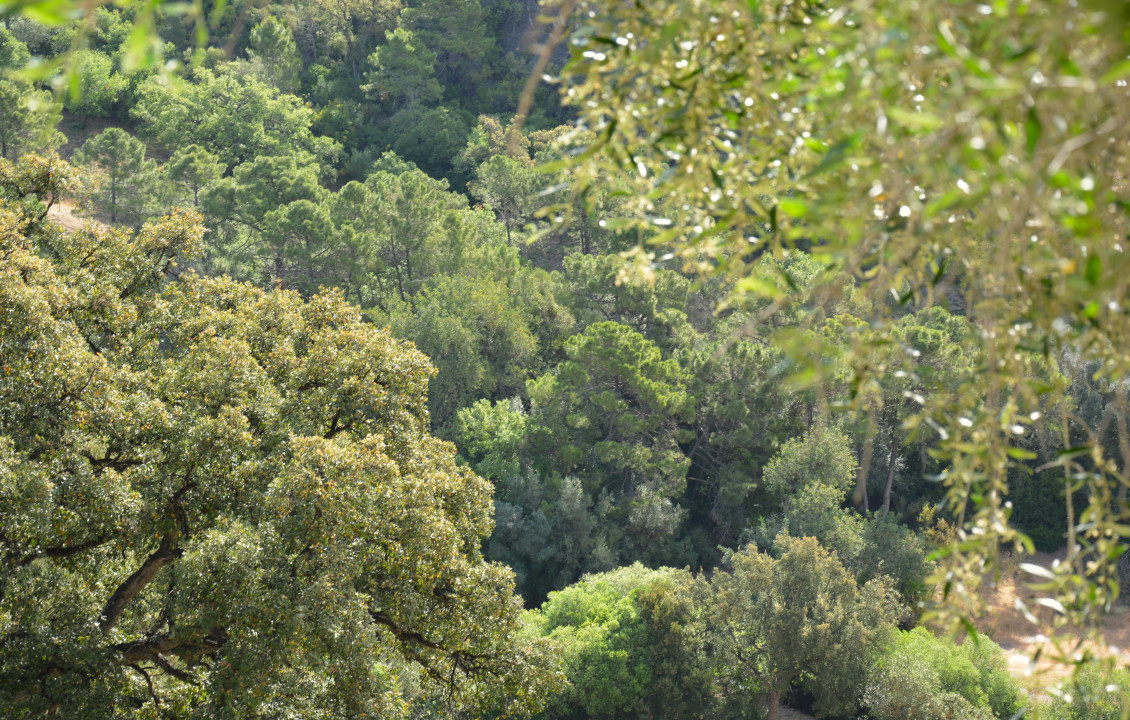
<point>774,704</point>
<point>890,475</point>
<point>860,496</point>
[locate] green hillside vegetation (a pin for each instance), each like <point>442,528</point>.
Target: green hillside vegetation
<point>689,395</point>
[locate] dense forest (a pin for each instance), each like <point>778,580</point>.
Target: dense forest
<point>334,388</point>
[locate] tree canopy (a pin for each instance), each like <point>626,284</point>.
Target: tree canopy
<point>221,500</point>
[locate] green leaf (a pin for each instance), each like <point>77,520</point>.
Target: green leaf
<point>1021,454</point>
<point>1032,131</point>
<point>1094,269</point>
<point>1116,73</point>
<point>793,207</point>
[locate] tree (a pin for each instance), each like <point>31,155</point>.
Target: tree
<point>237,208</point>
<point>922,676</point>
<point>221,501</point>
<point>456,33</point>
<point>632,646</point>
<point>99,87</point>
<point>429,137</point>
<point>509,188</point>
<point>403,73</point>
<point>612,414</point>
<point>128,179</point>
<point>356,22</point>
<point>477,337</point>
<point>822,457</point>
<point>274,55</point>
<point>194,167</point>
<point>799,618</point>
<point>236,117</point>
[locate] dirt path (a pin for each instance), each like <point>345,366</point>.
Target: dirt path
<point>64,213</point>
<point>1019,638</point>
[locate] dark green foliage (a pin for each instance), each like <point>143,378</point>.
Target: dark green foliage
<point>796,619</point>
<point>613,414</point>
<point>193,168</point>
<point>477,337</point>
<point>1037,510</point>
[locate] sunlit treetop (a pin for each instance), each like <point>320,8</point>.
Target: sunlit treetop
<point>224,502</point>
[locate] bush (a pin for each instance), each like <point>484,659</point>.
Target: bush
<point>1094,694</point>
<point>630,646</point>
<point>927,677</point>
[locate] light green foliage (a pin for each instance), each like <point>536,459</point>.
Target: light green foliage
<point>14,54</point>
<point>509,187</point>
<point>193,167</point>
<point>379,241</point>
<point>796,619</point>
<point>402,74</point>
<point>490,435</point>
<point>631,646</point>
<point>274,55</point>
<point>810,477</point>
<point>100,87</point>
<point>911,147</point>
<point>822,457</point>
<point>236,117</point>
<point>127,180</point>
<point>219,501</point>
<point>923,676</point>
<point>1095,693</point>
<point>612,414</point>
<point>477,337</point>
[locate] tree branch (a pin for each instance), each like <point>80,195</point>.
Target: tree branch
<point>62,552</point>
<point>134,584</point>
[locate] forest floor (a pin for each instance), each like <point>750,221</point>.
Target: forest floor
<point>1019,638</point>
<point>64,213</point>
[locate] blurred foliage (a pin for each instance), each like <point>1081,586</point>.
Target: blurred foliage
<point>962,154</point>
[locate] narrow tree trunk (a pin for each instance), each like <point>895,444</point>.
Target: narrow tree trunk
<point>860,496</point>
<point>890,475</point>
<point>774,704</point>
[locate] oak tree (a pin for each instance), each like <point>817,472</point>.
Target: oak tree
<point>220,501</point>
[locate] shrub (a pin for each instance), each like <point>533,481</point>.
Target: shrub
<point>1095,694</point>
<point>928,677</point>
